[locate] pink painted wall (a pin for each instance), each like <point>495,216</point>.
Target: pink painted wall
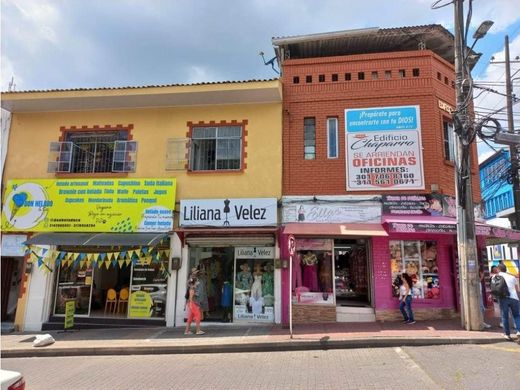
<point>383,276</point>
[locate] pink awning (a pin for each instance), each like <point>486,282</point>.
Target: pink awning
<point>334,229</point>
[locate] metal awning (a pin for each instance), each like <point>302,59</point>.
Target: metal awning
<point>334,229</point>
<point>97,239</point>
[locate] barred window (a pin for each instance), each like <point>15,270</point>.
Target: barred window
<point>93,152</point>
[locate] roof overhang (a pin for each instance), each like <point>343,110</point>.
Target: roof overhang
<point>432,37</point>
<point>257,92</point>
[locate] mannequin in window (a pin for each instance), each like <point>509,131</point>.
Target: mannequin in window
<point>243,282</point>
<point>256,288</point>
<point>310,271</point>
<point>268,285</point>
<point>325,273</point>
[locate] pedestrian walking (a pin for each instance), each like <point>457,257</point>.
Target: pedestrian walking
<point>194,304</point>
<point>405,298</point>
<point>482,296</point>
<point>507,298</point>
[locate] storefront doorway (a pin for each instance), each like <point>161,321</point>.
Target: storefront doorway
<point>352,281</point>
<point>129,288</point>
<point>217,278</point>
<point>237,282</point>
<point>11,272</point>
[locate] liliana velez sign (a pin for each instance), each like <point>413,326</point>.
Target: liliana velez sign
<point>229,212</point>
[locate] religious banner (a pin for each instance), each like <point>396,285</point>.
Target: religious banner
<point>383,148</point>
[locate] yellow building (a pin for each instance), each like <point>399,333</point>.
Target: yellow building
<point>128,189</point>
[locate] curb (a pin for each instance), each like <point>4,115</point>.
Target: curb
<point>294,345</point>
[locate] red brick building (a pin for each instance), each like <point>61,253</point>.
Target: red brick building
<point>371,198</point>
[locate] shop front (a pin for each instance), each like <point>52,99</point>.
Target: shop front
<point>13,276</point>
<point>232,242</point>
<point>329,245</point>
<point>422,241</point>
<point>110,255</point>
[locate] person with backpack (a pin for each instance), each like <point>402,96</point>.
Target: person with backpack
<point>505,288</point>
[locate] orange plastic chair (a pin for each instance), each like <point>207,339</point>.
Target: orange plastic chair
<point>122,302</point>
<point>111,301</point>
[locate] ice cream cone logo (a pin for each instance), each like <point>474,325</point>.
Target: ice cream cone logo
<point>25,206</point>
<point>18,200</point>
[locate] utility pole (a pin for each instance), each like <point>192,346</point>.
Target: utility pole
<point>471,316</point>
<point>515,220</point>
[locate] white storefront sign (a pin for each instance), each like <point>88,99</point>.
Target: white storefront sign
<point>338,212</point>
<point>384,149</point>
<point>241,212</point>
<point>250,252</point>
<point>12,245</point>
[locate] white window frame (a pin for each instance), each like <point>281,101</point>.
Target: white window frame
<point>332,154</point>
<point>217,137</point>
<point>449,130</point>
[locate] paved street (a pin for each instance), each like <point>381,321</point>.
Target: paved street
<point>491,366</point>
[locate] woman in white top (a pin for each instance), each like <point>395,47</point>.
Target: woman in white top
<point>405,298</point>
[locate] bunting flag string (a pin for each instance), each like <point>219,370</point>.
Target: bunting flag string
<point>47,258</point>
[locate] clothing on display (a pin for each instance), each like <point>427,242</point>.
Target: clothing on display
<point>310,271</point>
<point>256,288</point>
<point>256,304</point>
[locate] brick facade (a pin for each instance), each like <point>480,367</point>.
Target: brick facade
<point>427,79</point>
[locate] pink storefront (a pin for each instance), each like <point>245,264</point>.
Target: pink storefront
<point>336,271</point>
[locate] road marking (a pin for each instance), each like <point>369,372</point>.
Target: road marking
<point>407,359</point>
<point>514,349</point>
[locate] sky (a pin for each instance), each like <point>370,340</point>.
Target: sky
<point>61,44</point>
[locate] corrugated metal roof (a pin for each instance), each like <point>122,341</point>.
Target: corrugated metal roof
<point>432,37</point>
<point>141,86</point>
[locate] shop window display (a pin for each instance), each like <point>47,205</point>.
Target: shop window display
<point>148,290</point>
<point>74,284</point>
<point>254,290</point>
<point>312,272</point>
<point>419,260</point>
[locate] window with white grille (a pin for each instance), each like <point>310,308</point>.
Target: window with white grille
<point>216,148</point>
<point>93,152</point>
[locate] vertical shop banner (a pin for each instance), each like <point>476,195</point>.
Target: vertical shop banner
<point>70,307</point>
<point>384,148</point>
<point>89,205</point>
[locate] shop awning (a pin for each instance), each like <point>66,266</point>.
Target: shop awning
<point>334,229</point>
<point>97,239</point>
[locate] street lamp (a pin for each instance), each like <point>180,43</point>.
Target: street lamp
<point>482,30</point>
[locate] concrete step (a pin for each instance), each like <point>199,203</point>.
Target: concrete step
<point>355,314</point>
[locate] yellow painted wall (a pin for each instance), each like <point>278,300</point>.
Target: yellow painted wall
<point>31,134</point>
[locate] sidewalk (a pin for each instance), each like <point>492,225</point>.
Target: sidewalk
<point>222,338</point>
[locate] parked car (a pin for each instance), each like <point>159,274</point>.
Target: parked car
<point>12,380</point>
